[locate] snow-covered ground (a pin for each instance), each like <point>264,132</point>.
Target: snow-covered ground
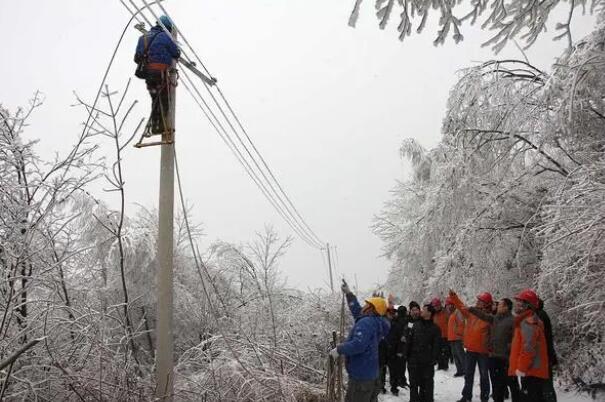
<point>448,388</point>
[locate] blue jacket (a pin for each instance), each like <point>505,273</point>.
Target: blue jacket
<point>361,347</point>
<point>161,48</point>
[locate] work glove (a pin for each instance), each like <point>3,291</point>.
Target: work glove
<point>345,287</point>
<point>334,353</point>
<point>519,373</point>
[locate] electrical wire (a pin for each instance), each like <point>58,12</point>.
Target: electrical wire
<point>136,17</point>
<point>237,153</point>
<point>267,167</point>
<point>283,206</point>
<point>306,227</point>
<point>268,177</point>
<point>243,130</point>
<point>306,237</point>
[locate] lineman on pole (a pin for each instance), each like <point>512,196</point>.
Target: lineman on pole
<point>154,55</point>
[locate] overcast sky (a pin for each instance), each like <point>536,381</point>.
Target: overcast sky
<point>327,106</point>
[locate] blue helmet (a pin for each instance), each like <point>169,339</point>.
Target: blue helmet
<point>167,22</point>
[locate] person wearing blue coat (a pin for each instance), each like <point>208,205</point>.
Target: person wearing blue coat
<point>361,347</point>
<point>155,53</point>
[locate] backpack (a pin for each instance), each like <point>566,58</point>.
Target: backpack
<point>141,70</point>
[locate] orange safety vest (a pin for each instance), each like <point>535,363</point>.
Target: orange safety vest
<point>440,319</point>
<point>455,327</point>
<point>529,353</point>
<point>476,331</point>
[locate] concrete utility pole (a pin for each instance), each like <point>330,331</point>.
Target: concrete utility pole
<point>330,267</point>
<point>164,281</point>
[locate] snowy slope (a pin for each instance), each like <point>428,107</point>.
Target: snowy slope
<point>448,388</point>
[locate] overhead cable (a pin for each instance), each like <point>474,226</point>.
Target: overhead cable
<point>290,203</point>
<point>216,124</point>
<point>287,206</point>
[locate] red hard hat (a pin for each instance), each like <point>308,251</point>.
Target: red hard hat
<point>436,302</point>
<point>528,296</point>
<point>486,298</point>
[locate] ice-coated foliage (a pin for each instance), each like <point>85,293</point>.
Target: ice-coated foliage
<point>513,197</point>
<point>77,277</point>
<point>509,19</point>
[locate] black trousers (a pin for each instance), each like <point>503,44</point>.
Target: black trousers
<point>444,354</point>
<point>548,389</point>
<point>157,85</point>
<point>421,381</point>
<point>397,372</point>
<point>361,391</point>
<point>498,372</point>
<point>383,376</point>
<point>531,389</point>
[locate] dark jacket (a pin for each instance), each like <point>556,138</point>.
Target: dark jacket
<point>361,347</point>
<point>160,47</point>
<point>552,354</point>
<point>423,344</point>
<point>500,334</point>
<point>397,336</point>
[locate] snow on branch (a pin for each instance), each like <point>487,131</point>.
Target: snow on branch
<point>508,19</point>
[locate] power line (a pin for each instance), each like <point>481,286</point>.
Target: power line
<point>269,177</point>
<point>241,159</point>
<point>244,131</point>
<point>267,167</point>
<point>136,17</point>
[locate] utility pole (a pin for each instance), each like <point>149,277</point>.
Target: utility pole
<point>330,267</point>
<point>164,277</point>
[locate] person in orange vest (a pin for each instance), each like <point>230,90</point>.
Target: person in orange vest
<point>476,336</point>
<point>501,335</point>
<point>440,319</point>
<point>455,333</point>
<point>529,350</point>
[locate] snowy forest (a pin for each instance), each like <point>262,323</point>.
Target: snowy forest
<point>511,197</point>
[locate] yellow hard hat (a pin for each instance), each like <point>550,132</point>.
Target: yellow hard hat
<point>379,304</point>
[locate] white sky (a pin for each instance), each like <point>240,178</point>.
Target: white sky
<point>327,106</point>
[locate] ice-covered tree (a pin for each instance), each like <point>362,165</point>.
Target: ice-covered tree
<point>511,197</point>
<point>508,19</point>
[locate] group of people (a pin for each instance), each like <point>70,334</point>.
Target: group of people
<point>510,341</point>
